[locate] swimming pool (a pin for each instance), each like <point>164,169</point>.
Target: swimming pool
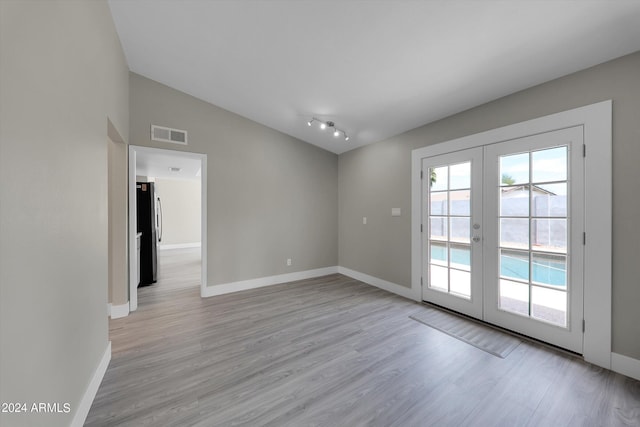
<point>544,271</point>
<point>547,272</point>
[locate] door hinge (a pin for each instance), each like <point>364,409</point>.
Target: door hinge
<point>421,228</point>
<point>583,325</point>
<point>421,283</point>
<point>421,174</point>
<point>584,150</point>
<point>584,238</point>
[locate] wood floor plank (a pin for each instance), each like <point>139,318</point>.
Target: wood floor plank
<point>330,351</point>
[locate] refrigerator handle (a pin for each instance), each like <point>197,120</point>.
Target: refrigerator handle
<point>159,220</point>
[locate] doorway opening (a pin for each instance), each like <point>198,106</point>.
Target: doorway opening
<point>170,187</point>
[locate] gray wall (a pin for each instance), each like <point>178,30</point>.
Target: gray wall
<point>375,178</point>
<point>62,74</point>
<point>270,197</point>
<point>180,210</point>
<point>118,218</point>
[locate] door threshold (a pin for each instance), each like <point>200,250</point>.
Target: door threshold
<point>507,331</point>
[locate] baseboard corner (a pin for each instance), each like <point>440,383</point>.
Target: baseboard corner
<point>180,246</point>
<point>403,291</point>
<point>625,365</point>
<point>117,311</point>
<point>84,406</point>
<point>243,285</point>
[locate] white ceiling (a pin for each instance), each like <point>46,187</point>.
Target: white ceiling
<point>157,164</point>
<point>375,68</point>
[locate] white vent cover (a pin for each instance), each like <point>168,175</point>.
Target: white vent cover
<point>176,136</point>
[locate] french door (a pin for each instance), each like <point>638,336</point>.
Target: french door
<point>451,230</point>
<point>504,234</point>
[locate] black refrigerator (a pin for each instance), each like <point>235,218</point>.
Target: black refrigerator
<point>149,211</point>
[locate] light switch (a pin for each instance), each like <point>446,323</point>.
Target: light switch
<point>395,211</point>
<point>364,219</point>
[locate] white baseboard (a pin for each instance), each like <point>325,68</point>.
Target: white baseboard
<point>381,283</point>
<point>181,246</point>
<point>84,406</point>
<point>117,311</point>
<point>625,365</point>
<point>243,285</point>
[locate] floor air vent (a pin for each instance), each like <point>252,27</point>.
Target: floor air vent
<point>176,136</point>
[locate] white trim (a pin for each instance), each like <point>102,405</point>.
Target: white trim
<point>403,291</point>
<point>596,120</point>
<point>181,246</point>
<point>599,226</point>
<point>243,285</point>
<point>625,365</point>
<point>133,230</point>
<point>117,311</point>
<point>90,393</point>
<point>204,220</point>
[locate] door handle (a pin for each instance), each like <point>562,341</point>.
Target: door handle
<point>476,239</point>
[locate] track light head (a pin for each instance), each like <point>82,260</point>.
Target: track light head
<point>329,124</point>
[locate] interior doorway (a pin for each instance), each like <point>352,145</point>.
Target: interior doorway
<point>179,221</point>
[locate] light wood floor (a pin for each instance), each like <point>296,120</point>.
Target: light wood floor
<point>333,351</point>
<point>177,269</point>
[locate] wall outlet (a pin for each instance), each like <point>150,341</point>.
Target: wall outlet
<point>288,261</point>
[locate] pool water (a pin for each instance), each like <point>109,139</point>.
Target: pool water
<point>543,271</point>
<point>547,272</point>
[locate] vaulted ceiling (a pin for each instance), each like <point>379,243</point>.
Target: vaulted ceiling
<point>375,68</point>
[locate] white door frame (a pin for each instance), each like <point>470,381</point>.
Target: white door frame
<point>596,120</point>
<point>133,259</point>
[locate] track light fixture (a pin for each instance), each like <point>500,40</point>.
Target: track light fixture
<point>329,124</point>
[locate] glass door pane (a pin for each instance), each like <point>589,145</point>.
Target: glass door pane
<point>452,214</point>
<point>533,219</point>
<point>533,247</point>
<point>449,230</point>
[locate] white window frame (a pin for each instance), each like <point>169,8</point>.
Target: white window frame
<point>596,120</point>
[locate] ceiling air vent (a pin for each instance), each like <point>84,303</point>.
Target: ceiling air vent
<point>176,136</point>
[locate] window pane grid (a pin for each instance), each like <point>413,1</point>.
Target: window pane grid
<point>542,285</point>
<point>449,229</point>
<point>533,248</point>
